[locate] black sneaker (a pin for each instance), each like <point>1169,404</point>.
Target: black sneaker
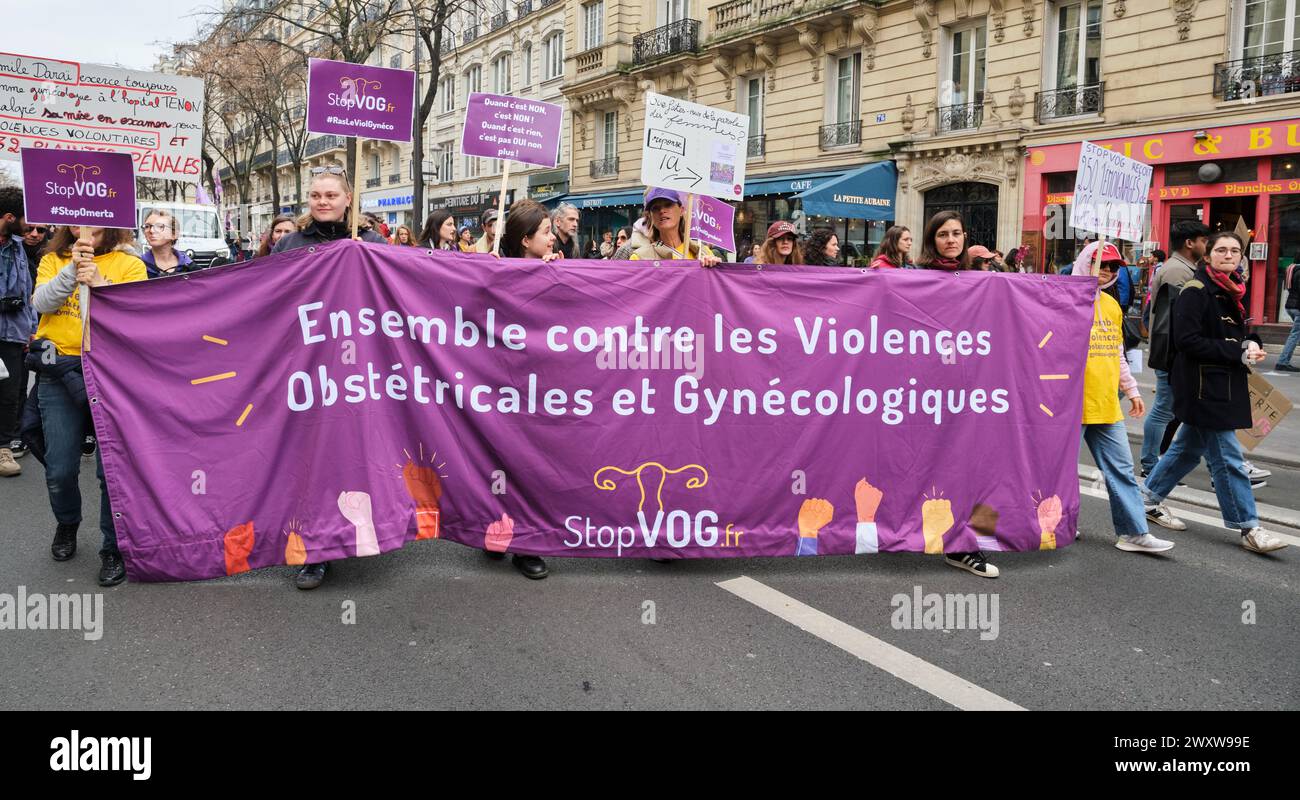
<point>311,575</point>
<point>88,446</point>
<point>65,542</point>
<point>531,566</point>
<point>974,563</point>
<point>17,448</point>
<point>1285,368</point>
<point>113,571</point>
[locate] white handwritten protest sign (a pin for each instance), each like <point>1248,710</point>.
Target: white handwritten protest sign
<point>1110,194</point>
<point>66,105</point>
<point>694,148</point>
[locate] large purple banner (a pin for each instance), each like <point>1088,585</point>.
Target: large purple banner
<point>344,400</point>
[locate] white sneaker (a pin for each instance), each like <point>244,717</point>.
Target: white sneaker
<point>1162,516</point>
<point>1146,543</point>
<point>1261,541</point>
<point>1255,473</point>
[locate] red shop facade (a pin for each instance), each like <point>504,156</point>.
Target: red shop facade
<point>1223,177</point>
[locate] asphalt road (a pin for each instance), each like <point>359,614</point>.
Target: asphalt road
<point>439,626</point>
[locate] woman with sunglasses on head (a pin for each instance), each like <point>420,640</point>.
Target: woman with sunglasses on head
<point>328,219</point>
<point>943,247</point>
<point>280,227</point>
<point>1212,355</point>
<point>162,258</point>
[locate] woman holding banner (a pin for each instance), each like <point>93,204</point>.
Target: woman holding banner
<point>943,247</point>
<point>69,263</point>
<point>403,237</point>
<point>1212,355</point>
<point>528,233</point>
<point>894,249</point>
<point>440,231</point>
<point>281,226</point>
<point>823,249</point>
<point>329,200</point>
<point>781,245</point>
<point>665,222</point>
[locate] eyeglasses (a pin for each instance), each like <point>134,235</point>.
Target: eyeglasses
<point>41,229</point>
<point>1226,251</point>
<point>160,227</point>
<point>333,170</point>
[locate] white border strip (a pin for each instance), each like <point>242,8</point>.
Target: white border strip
<point>901,664</point>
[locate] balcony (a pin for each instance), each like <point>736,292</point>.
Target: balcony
<point>843,134</point>
<point>737,14</point>
<point>469,34</point>
<point>448,42</point>
<point>523,9</point>
<point>373,182</point>
<point>606,168</point>
<point>499,21</point>
<point>1262,76</point>
<point>392,179</point>
<point>682,36</point>
<point>757,147</point>
<point>1075,101</point>
<point>548,3</point>
<point>591,60</point>
<point>964,117</point>
<point>323,144</point>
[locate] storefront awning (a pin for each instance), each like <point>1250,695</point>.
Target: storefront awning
<point>865,193</point>
<point>612,200</point>
<point>787,184</point>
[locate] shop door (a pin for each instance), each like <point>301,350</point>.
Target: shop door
<point>978,205</point>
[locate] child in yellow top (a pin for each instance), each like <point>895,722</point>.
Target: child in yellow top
<point>1105,376</point>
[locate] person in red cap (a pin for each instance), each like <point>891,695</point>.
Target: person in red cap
<point>781,245</point>
<point>665,220</point>
<point>980,257</point>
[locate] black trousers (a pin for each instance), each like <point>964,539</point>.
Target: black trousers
<point>13,390</point>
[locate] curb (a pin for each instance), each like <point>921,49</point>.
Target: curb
<point>1262,456</point>
<point>1195,497</point>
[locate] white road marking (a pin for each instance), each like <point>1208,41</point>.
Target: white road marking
<point>901,664</point>
<point>1192,516</point>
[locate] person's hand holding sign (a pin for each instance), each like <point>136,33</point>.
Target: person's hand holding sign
<point>83,255</point>
<point>708,259</point>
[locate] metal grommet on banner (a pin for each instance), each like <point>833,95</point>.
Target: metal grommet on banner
<point>657,264</point>
<point>863,270</point>
<point>117,515</point>
<point>430,252</point>
<point>94,400</point>
<point>759,267</point>
<point>311,249</point>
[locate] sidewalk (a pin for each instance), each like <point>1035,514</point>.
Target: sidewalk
<point>1281,448</point>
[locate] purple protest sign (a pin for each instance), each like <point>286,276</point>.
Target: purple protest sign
<point>347,399</point>
<point>78,187</point>
<point>714,223</point>
<point>360,100</point>
<point>513,128</point>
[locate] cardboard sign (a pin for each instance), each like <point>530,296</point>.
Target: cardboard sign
<point>694,148</point>
<point>359,100</point>
<point>512,128</point>
<point>51,104</point>
<point>1268,407</point>
<point>1110,194</point>
<point>68,187</point>
<point>714,223</point>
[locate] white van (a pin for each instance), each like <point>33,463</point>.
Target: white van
<point>200,230</point>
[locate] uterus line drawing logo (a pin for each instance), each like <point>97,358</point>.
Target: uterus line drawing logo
<point>698,478</point>
<point>79,171</point>
<point>361,93</point>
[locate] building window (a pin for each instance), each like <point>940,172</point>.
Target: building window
<point>848,89</point>
<point>1077,55</point>
<point>395,62</point>
<point>1270,28</point>
<point>501,74</point>
<point>671,11</point>
<point>593,31</point>
<point>473,81</point>
<point>609,135</point>
<point>447,88</point>
<point>966,67</point>
<point>448,160</point>
<point>553,53</point>
<point>527,75</point>
<point>754,100</point>
<point>471,167</point>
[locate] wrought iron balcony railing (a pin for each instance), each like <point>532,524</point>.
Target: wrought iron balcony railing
<point>546,3</point>
<point>1261,76</point>
<point>682,36</point>
<point>1072,102</point>
<point>372,182</point>
<point>968,116</point>
<point>757,146</point>
<point>448,42</point>
<point>523,9</point>
<point>843,134</point>
<point>323,143</point>
<point>394,179</point>
<point>605,168</point>
<point>469,34</point>
<point>499,20</point>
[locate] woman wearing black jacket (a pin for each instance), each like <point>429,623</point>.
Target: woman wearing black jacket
<point>1212,354</point>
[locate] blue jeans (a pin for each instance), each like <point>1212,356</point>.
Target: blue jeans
<point>1231,483</point>
<point>1292,340</point>
<point>1159,416</point>
<point>1109,447</point>
<point>65,425</point>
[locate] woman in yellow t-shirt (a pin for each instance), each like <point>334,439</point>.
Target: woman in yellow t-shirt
<point>67,265</point>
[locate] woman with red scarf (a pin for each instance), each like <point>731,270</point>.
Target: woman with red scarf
<point>1212,354</point>
<point>943,247</point>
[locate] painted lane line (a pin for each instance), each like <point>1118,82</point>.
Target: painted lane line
<point>901,664</point>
